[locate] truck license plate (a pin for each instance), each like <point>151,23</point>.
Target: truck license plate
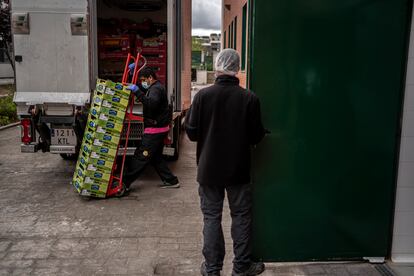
<point>63,137</point>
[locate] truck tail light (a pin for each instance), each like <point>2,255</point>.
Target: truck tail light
<point>168,141</point>
<point>26,128</point>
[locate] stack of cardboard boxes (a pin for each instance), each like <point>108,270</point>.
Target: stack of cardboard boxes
<point>102,136</point>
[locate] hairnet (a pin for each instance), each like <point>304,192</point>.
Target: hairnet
<point>228,62</point>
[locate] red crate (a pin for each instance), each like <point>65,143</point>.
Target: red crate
<point>113,55</point>
<point>114,47</point>
<point>157,58</point>
<point>153,63</point>
<point>151,46</point>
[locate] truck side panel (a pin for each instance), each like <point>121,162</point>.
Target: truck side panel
<point>53,59</point>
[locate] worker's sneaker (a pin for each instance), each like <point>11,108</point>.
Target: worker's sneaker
<point>254,269</point>
<point>204,272</point>
<point>170,184</point>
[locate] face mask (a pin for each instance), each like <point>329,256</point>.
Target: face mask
<point>145,85</point>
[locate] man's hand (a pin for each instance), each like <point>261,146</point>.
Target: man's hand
<point>131,68</point>
<point>134,88</point>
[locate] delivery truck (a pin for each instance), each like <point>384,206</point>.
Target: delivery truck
<point>62,47</point>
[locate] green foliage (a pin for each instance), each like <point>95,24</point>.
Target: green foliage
<point>195,59</point>
<point>7,109</point>
<point>196,44</point>
<point>208,63</point>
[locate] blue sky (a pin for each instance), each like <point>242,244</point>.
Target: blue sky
<point>206,16</point>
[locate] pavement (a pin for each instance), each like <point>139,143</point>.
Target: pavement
<point>47,229</point>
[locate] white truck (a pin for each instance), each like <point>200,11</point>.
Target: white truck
<point>62,46</point>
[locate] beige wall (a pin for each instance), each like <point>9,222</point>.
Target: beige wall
<point>403,240</point>
<point>236,9</point>
<point>186,51</point>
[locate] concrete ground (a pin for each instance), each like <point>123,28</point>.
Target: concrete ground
<point>47,229</point>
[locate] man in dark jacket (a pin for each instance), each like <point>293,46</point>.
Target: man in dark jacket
<point>225,121</point>
<point>157,118</point>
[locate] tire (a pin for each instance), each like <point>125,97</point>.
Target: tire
<point>69,156</point>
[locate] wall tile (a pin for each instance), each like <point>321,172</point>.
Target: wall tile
<point>404,224</point>
<point>407,149</point>
<point>403,244</point>
<point>408,124</point>
<point>406,175</point>
<point>405,200</point>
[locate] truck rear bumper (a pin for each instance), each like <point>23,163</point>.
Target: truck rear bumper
<point>63,149</point>
<point>130,151</point>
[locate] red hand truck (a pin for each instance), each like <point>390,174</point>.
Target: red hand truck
<point>115,183</point>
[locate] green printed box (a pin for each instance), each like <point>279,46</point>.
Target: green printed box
<point>99,156</point>
<point>85,192</point>
<point>113,125</point>
<point>77,182</point>
<point>108,131</point>
<point>104,113</point>
<point>117,90</point>
<point>92,181</point>
<point>112,117</point>
<point>101,139</point>
<point>106,100</point>
<point>97,99</point>
<point>89,135</point>
<point>101,85</point>
<point>104,151</point>
<point>95,168</point>
<point>98,174</point>
<point>102,163</point>
<point>105,86</point>
<point>102,143</point>
<point>99,163</point>
<point>113,139</point>
<point>86,148</point>
<point>96,188</point>
<point>115,102</point>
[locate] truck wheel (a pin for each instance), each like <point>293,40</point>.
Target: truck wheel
<point>69,156</point>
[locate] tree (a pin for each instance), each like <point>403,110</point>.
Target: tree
<point>5,30</point>
<point>196,44</point>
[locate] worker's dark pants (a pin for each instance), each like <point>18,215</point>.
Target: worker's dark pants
<point>150,152</point>
<point>240,202</point>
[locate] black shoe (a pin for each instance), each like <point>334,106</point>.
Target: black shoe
<point>254,269</point>
<point>203,271</point>
<point>170,184</point>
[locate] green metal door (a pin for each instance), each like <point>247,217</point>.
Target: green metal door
<point>330,78</point>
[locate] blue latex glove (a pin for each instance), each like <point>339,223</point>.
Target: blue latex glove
<point>134,89</point>
<point>131,68</point>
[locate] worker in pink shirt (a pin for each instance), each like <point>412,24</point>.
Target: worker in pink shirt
<point>157,119</point>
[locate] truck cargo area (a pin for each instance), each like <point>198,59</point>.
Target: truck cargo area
<point>130,27</point>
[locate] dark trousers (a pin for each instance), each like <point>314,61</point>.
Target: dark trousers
<point>150,152</point>
<point>240,203</point>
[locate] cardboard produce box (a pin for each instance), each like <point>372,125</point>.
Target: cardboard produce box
<point>100,144</point>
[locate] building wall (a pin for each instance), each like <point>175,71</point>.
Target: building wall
<point>403,240</point>
<point>236,9</point>
<point>186,51</point>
